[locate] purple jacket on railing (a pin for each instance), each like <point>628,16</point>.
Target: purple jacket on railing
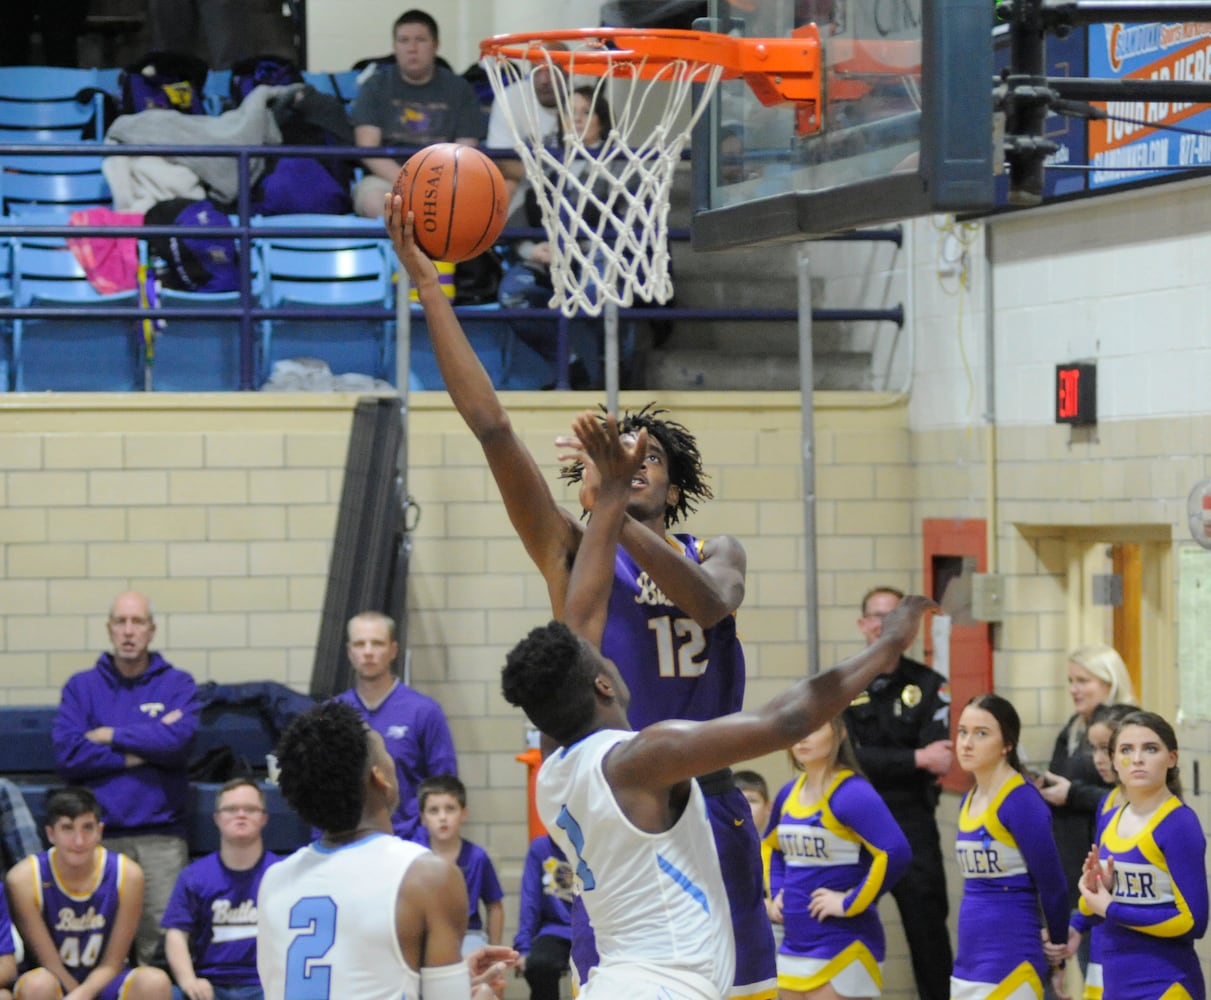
<point>149,798</point>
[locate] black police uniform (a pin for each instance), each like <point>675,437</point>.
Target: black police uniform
<point>897,715</point>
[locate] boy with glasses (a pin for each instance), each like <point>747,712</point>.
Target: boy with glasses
<point>211,921</point>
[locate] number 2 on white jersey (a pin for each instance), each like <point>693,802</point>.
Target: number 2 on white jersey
<point>679,641</point>
<point>306,979</point>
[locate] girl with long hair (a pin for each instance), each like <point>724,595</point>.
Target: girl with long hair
<point>1146,879</point>
<point>1008,860</point>
<point>835,850</point>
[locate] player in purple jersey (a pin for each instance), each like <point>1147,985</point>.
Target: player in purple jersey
<point>211,920</point>
<point>676,646</point>
<point>624,806</point>
<point>411,724</point>
<point>76,907</point>
<point>8,964</point>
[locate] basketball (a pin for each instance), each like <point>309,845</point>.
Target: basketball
<point>458,198</point>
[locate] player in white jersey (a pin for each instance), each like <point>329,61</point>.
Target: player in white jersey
<point>359,913</point>
<point>623,805</point>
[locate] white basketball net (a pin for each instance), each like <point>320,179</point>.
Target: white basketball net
<point>605,209</point>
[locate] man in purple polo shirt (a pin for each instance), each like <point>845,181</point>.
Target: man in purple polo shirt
<point>411,724</point>
<point>211,921</point>
<point>124,729</point>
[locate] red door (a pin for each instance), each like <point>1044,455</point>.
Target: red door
<point>954,550</point>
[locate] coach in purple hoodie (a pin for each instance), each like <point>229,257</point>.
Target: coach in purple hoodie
<point>124,729</point>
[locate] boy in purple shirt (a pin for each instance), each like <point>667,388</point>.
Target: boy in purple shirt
<point>124,729</point>
<point>411,724</point>
<point>443,807</point>
<point>211,921</point>
<point>544,918</point>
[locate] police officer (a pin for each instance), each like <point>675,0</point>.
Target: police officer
<point>900,727</point>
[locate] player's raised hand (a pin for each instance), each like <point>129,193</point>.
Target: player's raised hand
<point>903,621</point>
<point>571,452</point>
<point>416,262</point>
<point>615,457</point>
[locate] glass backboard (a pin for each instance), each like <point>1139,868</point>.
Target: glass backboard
<point>893,138</point>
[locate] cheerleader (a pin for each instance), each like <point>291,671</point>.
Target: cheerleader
<point>1147,877</point>
<point>835,850</point>
<point>1009,862</point>
<point>1102,725</point>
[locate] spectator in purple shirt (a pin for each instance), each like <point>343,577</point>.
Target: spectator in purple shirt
<point>411,724</point>
<point>210,925</point>
<point>124,729</point>
<point>544,918</point>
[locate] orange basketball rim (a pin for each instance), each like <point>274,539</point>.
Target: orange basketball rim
<point>775,69</point>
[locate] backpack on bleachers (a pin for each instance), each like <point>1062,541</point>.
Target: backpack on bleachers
<point>255,71</point>
<point>169,80</point>
<point>293,184</point>
<point>193,263</point>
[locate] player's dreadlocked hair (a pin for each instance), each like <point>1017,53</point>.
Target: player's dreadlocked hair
<point>549,675</point>
<point>681,450</point>
<point>323,757</point>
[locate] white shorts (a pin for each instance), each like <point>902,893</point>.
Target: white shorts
<point>636,981</point>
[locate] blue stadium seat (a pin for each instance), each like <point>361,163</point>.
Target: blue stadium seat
<point>336,271</point>
<point>39,102</point>
<point>194,354</point>
<point>217,91</point>
<point>67,355</point>
<point>509,363</point>
<point>52,182</point>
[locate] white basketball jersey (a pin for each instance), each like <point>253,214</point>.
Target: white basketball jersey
<point>656,900</point>
<point>326,923</point>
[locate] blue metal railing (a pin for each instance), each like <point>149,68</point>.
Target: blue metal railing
<point>249,310</point>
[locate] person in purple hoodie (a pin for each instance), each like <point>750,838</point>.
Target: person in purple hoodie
<point>124,729</point>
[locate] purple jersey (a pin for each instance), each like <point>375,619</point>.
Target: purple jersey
<point>479,874</point>
<point>79,925</point>
<point>6,928</point>
<point>418,739</point>
<point>216,907</point>
<point>674,667</point>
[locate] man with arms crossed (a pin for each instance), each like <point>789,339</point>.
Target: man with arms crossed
<point>671,626</point>
<point>625,806</point>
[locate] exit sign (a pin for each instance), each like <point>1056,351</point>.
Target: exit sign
<point>1076,394</point>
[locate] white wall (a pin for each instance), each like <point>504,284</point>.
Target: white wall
<point>340,32</point>
<point>1117,280</point>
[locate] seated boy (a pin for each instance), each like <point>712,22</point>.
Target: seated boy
<point>442,801</point>
<point>8,964</point>
<point>544,918</point>
<point>210,923</point>
<point>76,907</point>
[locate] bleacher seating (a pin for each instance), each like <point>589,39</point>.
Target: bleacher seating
<point>195,354</point>
<point>27,758</point>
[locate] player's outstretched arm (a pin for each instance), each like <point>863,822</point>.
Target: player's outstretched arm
<point>670,752</point>
<point>549,533</point>
<point>592,576</point>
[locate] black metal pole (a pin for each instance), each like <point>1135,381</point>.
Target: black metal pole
<point>1080,88</point>
<point>1026,109</point>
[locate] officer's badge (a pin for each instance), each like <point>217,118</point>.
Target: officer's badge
<point>911,696</point>
<point>862,699</point>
